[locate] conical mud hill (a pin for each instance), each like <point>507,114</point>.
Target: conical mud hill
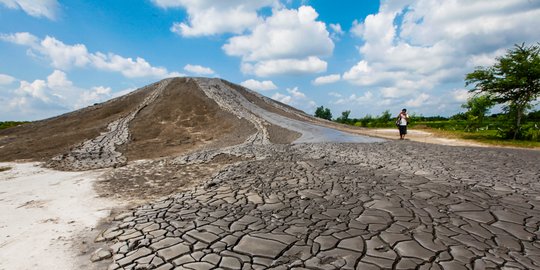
<point>174,116</point>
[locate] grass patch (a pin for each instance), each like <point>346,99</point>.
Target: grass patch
<point>3,169</point>
<point>8,124</point>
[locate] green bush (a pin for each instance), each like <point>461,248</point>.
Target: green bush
<point>8,124</point>
<point>531,132</point>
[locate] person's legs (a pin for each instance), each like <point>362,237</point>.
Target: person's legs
<point>402,132</point>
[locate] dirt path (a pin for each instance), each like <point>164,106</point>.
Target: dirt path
<point>417,136</point>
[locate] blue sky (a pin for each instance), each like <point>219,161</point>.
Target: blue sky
<point>364,56</point>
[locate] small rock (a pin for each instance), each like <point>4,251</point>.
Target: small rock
<point>100,254</point>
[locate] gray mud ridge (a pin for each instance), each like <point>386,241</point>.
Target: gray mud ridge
<point>101,152</point>
<point>393,205</point>
<point>232,101</point>
<point>258,146</point>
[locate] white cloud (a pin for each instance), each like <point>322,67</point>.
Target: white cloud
<point>35,8</point>
<point>334,94</point>
<point>123,92</point>
<point>295,98</point>
<point>259,85</point>
<point>418,101</point>
<point>366,98</point>
<point>63,56</point>
<point>332,78</point>
<point>485,59</point>
<point>283,98</point>
<point>412,48</point>
<point>196,69</point>
<point>336,28</point>
<point>337,32</point>
<point>296,93</point>
<point>6,79</point>
<point>36,89</point>
<point>58,79</point>
<point>48,97</point>
<point>357,29</point>
<point>461,95</point>
<point>21,38</point>
<point>285,66</point>
<point>95,95</point>
<point>289,41</point>
<point>396,92</point>
<point>286,34</point>
<point>208,17</point>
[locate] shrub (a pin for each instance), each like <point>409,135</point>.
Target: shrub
<point>531,132</point>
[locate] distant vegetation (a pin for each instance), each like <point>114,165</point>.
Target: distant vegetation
<point>8,124</point>
<point>513,81</point>
<point>323,113</point>
<point>468,125</point>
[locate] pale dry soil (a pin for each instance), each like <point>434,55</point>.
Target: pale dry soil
<point>412,135</point>
<point>48,217</point>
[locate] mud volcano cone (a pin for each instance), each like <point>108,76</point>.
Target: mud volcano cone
<point>170,117</point>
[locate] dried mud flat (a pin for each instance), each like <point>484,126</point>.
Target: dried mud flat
<point>228,179</point>
<point>392,205</point>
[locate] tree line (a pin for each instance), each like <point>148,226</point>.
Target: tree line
<point>513,81</point>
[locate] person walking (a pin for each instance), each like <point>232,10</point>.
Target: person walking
<point>402,121</point>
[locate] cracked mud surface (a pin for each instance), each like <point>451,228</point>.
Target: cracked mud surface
<point>394,205</point>
<point>254,184</point>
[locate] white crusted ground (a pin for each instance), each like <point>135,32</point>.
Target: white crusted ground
<point>42,212</point>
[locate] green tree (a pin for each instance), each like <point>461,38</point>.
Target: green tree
<point>323,113</point>
<point>514,80</point>
<point>477,108</point>
<point>366,120</point>
<point>386,116</point>
<point>344,118</point>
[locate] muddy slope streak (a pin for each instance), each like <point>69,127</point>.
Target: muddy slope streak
<point>231,100</point>
<point>101,152</point>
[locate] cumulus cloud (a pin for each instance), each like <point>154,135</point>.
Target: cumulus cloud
<point>396,92</point>
<point>337,32</point>
<point>48,97</point>
<point>282,98</point>
<point>259,85</point>
<point>21,38</point>
<point>332,78</point>
<point>411,48</point>
<point>461,95</point>
<point>122,92</point>
<point>64,56</point>
<point>418,101</point>
<point>208,17</point>
<point>6,79</point>
<point>200,70</point>
<point>357,29</point>
<point>294,97</point>
<point>41,8</point>
<point>365,98</point>
<point>285,66</point>
<point>94,95</point>
<point>289,41</point>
